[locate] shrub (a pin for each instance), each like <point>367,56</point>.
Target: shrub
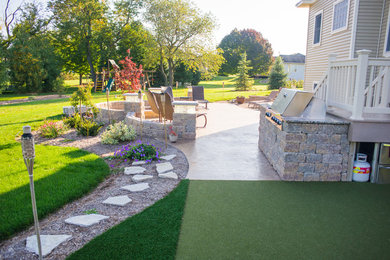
<point>51,129</point>
<point>293,84</point>
<point>88,127</point>
<point>82,96</point>
<point>118,132</point>
<point>72,121</point>
<point>138,151</point>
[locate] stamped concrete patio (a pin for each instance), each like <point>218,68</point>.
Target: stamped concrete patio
<point>227,148</point>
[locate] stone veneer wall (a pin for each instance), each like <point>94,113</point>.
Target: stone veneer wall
<point>149,128</point>
<point>117,112</point>
<point>183,124</point>
<point>304,150</point>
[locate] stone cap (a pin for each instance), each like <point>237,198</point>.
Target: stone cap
<point>185,103</point>
<point>130,94</point>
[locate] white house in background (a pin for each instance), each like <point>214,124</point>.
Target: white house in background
<point>294,66</point>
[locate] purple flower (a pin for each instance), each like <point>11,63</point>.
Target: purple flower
<point>112,166</point>
<point>125,160</point>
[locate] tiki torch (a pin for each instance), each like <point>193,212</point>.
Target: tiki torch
<point>165,128</point>
<point>140,109</point>
<point>28,151</point>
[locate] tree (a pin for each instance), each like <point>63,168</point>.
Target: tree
<point>95,33</point>
<point>78,23</point>
<point>128,77</point>
<point>3,66</point>
<point>181,31</point>
<point>258,49</point>
<point>184,74</point>
<point>33,64</point>
<point>243,82</point>
<point>277,77</point>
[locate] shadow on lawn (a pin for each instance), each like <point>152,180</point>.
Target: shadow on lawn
<point>55,117</point>
<point>76,154</point>
<point>8,145</point>
<point>52,192</point>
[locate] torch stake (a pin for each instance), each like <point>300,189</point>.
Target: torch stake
<point>28,156</point>
<point>140,109</point>
<point>164,117</point>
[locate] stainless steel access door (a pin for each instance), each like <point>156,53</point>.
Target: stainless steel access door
<point>384,164</point>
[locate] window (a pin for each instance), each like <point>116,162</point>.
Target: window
<point>317,28</point>
<point>340,15</point>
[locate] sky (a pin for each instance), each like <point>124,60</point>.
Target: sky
<point>279,21</point>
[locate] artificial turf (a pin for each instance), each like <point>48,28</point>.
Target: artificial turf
<point>285,220</point>
<point>151,234</point>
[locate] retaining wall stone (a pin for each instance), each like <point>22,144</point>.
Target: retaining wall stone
<point>306,150</point>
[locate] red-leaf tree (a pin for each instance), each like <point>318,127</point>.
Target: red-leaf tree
<point>128,79</point>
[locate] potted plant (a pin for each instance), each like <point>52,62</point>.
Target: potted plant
<point>240,99</point>
<point>172,135</point>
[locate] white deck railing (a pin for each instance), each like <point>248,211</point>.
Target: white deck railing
<point>359,85</point>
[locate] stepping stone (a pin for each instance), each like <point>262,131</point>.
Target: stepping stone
<point>134,170</point>
<point>168,175</point>
<point>118,200</point>
<point>138,163</point>
<point>168,157</point>
<point>48,243</point>
<point>85,220</point>
<point>136,187</point>
<point>164,167</point>
<point>142,177</point>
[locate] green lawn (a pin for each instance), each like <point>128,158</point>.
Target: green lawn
<point>61,174</point>
<point>215,90</point>
<point>151,234</point>
<point>285,220</point>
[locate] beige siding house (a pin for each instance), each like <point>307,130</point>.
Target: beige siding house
<point>348,57</point>
<point>365,28</point>
<point>348,68</point>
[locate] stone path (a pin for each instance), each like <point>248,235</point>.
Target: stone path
<point>227,149</point>
<point>143,182</point>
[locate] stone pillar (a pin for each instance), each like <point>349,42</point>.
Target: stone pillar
<point>184,119</point>
<point>134,105</point>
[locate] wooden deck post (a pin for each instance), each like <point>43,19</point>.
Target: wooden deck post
<point>360,83</point>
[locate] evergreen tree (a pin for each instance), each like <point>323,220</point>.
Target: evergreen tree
<point>277,77</point>
<point>243,81</point>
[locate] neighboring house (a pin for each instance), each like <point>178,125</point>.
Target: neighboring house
<point>294,66</point>
<point>348,66</point>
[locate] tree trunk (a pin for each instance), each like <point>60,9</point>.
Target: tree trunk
<point>80,79</point>
<point>171,67</point>
<point>89,54</point>
<point>162,69</point>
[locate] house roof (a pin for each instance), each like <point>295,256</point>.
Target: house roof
<point>305,3</point>
<point>293,58</point>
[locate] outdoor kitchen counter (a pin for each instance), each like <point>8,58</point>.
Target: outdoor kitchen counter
<point>302,149</point>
